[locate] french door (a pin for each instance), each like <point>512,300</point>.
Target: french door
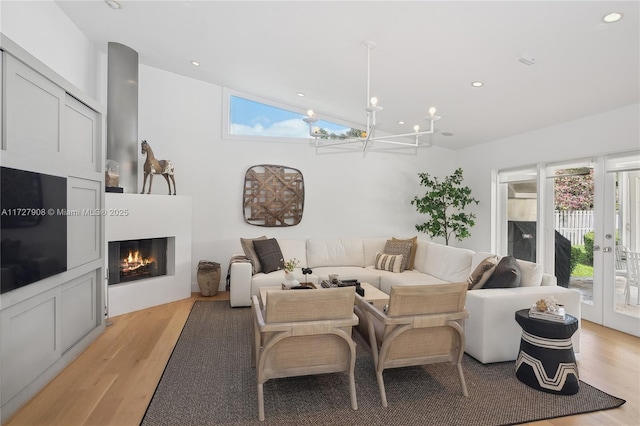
<point>591,207</point>
<point>578,219</point>
<point>621,236</point>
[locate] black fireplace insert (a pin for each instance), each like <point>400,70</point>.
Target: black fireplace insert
<point>137,259</point>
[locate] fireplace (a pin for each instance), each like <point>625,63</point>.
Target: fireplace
<point>137,259</point>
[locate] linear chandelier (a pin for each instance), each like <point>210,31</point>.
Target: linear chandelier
<point>368,136</point>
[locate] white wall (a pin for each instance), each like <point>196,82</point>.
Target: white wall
<point>44,31</point>
<point>345,194</point>
<point>613,131</point>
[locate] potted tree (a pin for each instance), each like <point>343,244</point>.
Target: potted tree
<point>445,202</point>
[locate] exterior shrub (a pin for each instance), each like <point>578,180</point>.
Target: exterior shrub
<point>588,247</point>
<point>576,255</point>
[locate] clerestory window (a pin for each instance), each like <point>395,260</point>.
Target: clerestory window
<point>249,117</point>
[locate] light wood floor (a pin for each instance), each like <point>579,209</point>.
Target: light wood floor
<point>113,380</point>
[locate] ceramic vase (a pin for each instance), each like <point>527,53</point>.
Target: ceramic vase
<point>291,279</point>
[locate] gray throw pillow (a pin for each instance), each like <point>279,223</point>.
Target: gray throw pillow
<point>270,255</point>
<point>250,252</point>
<point>396,247</point>
<point>506,274</point>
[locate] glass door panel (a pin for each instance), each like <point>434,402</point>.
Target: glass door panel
<point>575,247</point>
<point>621,238</point>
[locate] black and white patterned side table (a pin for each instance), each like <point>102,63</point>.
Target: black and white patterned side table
<point>546,360</point>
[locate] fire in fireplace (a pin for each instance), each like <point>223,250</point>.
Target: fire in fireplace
<point>137,259</point>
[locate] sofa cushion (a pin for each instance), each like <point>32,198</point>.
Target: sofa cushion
<point>270,255</point>
<point>396,247</point>
<point>531,273</point>
<point>294,249</point>
<point>506,274</point>
<point>389,279</point>
<point>421,255</point>
<point>389,262</point>
<point>448,263</point>
<point>371,247</point>
<point>338,252</point>
<point>482,272</point>
<point>412,254</point>
<point>250,252</point>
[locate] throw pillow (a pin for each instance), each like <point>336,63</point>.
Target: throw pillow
<point>250,252</point>
<point>505,275</point>
<point>399,248</point>
<point>482,273</point>
<point>414,247</point>
<point>388,262</point>
<point>270,255</point>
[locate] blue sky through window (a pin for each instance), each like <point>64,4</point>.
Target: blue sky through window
<point>251,118</point>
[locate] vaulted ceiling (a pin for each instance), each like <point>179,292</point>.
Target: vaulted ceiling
<point>428,53</point>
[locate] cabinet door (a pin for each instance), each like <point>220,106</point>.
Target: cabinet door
<point>29,341</point>
<point>79,312</point>
<point>84,221</point>
<point>32,110</point>
<point>79,135</point>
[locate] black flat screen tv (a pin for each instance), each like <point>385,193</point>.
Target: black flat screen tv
<point>33,227</point>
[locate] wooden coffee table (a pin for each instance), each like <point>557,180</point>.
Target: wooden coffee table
<point>375,296</point>
<point>372,295</point>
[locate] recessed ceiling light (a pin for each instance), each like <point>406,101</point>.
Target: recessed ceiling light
<point>300,94</point>
<point>612,17</point>
<point>447,134</point>
<point>477,84</point>
<point>113,4</point>
<point>400,122</point>
<point>195,63</point>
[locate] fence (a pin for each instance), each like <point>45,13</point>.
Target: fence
<point>573,224</point>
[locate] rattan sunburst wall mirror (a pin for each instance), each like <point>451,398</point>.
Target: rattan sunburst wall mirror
<point>273,196</point>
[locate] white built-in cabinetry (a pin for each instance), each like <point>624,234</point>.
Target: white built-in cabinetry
<point>51,127</point>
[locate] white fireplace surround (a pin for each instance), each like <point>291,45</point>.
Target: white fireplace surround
<point>137,216</point>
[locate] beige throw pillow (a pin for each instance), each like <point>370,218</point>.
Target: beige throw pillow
<point>250,252</point>
<point>388,262</point>
<point>396,247</point>
<point>414,247</point>
<point>482,273</point>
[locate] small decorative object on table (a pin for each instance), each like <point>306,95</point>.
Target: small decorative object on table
<point>289,276</point>
<point>548,309</point>
<point>305,272</point>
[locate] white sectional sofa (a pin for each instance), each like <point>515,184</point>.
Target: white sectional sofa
<point>492,334</point>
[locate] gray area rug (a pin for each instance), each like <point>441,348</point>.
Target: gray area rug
<point>209,381</point>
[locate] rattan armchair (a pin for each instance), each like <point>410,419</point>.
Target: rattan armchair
<point>304,332</point>
<point>421,326</point>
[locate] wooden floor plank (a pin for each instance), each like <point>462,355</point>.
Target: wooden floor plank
<point>113,380</point>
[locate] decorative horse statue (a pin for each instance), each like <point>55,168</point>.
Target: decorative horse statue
<point>153,166</point>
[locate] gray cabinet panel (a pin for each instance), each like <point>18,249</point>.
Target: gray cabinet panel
<point>79,140</point>
<point>78,309</point>
<point>29,338</point>
<point>33,104</point>
<point>84,221</point>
